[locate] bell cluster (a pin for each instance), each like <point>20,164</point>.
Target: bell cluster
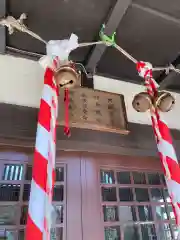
<point>164,101</point>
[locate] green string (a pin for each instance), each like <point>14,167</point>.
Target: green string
<point>105,38</point>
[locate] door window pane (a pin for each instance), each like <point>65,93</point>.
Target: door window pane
<point>171,212</point>
<point>161,213</point>
<point>13,172</point>
<point>148,232</point>
<point>107,177</point>
<point>145,213</point>
<point>125,194</point>
<point>139,178</point>
<point>142,195</point>
<point>123,177</point>
<point>9,192</point>
<point>164,231</point>
<point>26,192</point>
<point>8,234</point>
<point>157,195</point>
<point>163,179</point>
<point>57,233</point>
<point>166,196</point>
<point>154,179</point>
<point>28,175</point>
<point>57,215</point>
<point>21,235</point>
<point>175,230</point>
<point>112,233</point>
<point>127,214</point>
<point>131,233</point>
<point>24,212</point>
<point>108,194</point>
<point>58,194</point>
<point>59,174</point>
<point>110,213</point>
<point>8,215</point>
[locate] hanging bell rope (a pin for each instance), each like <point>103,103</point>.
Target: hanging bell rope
<point>163,138</point>
<point>66,101</point>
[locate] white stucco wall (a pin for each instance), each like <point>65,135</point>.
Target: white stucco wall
<point>21,83</point>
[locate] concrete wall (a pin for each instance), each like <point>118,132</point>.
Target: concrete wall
<point>21,83</point>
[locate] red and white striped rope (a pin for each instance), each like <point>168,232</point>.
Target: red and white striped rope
<point>40,203</point>
<point>164,143</point>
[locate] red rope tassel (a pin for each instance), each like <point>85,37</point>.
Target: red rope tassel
<point>66,101</point>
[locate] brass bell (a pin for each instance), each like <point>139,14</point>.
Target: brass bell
<point>164,101</point>
<point>66,77</point>
<point>142,102</point>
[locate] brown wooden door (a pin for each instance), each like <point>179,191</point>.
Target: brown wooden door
<point>15,178</point>
<point>99,197</point>
<point>125,198</point>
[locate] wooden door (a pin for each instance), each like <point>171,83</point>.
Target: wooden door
<point>99,197</point>
<point>15,178</point>
<point>125,198</point>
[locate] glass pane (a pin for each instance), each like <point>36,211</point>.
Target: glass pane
<point>142,195</point>
<point>8,235</point>
<point>127,214</point>
<point>107,177</point>
<point>108,194</point>
<point>161,213</point>
<point>131,233</point>
<point>123,177</point>
<point>13,172</point>
<point>24,212</point>
<point>57,215</point>
<point>166,196</point>
<point>59,174</point>
<point>21,235</point>
<point>148,232</point>
<point>8,215</point>
<point>110,213</point>
<point>139,178</point>
<point>58,194</point>
<point>112,233</point>
<point>57,234</point>
<point>26,192</point>
<point>125,194</point>
<point>163,179</point>
<point>154,179</point>
<point>157,195</point>
<point>171,212</point>
<point>145,213</point>
<point>9,192</point>
<point>164,231</point>
<point>175,231</point>
<point>28,175</point>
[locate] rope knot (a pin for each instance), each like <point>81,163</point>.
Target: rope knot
<point>144,69</point>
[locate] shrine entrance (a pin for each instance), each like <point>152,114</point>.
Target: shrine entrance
<point>96,196</point>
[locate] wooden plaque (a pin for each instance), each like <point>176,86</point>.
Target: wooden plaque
<point>93,109</point>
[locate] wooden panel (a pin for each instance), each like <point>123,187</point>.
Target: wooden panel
<point>18,126</point>
<point>92,214</point>
<point>2,29</point>
<point>96,110</point>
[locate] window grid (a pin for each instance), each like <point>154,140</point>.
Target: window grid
<point>111,181</point>
<point>8,178</point>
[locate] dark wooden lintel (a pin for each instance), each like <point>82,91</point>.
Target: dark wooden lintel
<point>2,29</point>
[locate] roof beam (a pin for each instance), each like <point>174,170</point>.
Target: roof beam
<point>2,29</point>
<point>157,13</point>
<point>112,23</point>
<point>168,79</point>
